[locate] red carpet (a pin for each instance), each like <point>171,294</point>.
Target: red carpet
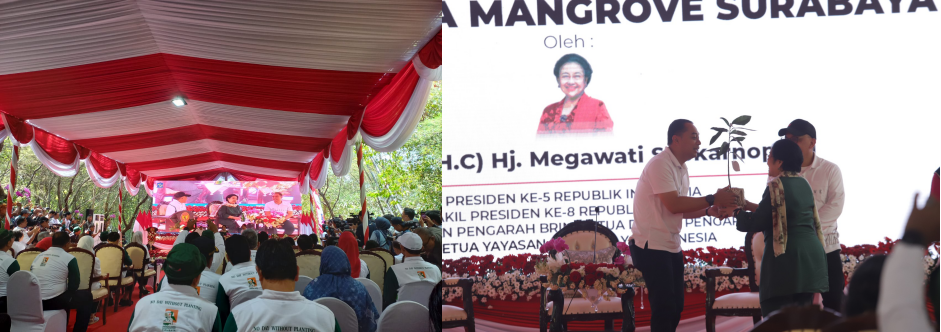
<point>117,321</point>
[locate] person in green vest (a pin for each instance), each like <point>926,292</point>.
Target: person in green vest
<point>794,264</point>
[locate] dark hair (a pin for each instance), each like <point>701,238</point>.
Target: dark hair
<point>372,244</point>
<point>236,246</point>
<point>573,58</point>
<point>21,220</point>
<point>330,242</point>
<point>288,242</point>
<point>114,236</point>
<point>275,261</point>
<point>262,237</point>
<point>395,221</point>
<point>863,292</point>
<point>409,212</point>
<point>304,242</point>
<point>434,215</point>
<point>191,237</point>
<point>388,216</point>
<point>251,236</point>
<point>17,235</point>
<point>67,213</point>
<point>60,239</point>
<point>313,239</point>
<point>789,153</point>
<point>677,128</point>
<point>230,195</point>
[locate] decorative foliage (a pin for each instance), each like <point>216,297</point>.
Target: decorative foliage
<point>735,134</point>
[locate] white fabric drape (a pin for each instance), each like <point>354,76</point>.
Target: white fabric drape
<point>425,72</point>
<point>131,188</point>
<point>149,190</point>
<point>60,169</point>
<point>342,167</point>
<point>97,179</point>
<point>407,122</point>
<point>321,175</point>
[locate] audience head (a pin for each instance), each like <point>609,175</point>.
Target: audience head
<point>863,289</point>
<point>287,241</point>
<point>785,156</point>
<point>17,235</point>
<point>435,217</point>
<point>349,245</point>
<point>388,216</point>
<point>683,139</point>
<point>6,240</point>
<point>262,237</point>
<point>192,236</point>
<point>87,243</point>
<point>232,198</point>
<point>42,235</point>
<point>21,223</point>
<point>397,224</point>
<point>114,238</point>
<point>304,242</point>
<point>409,244</point>
<point>184,264</point>
<point>427,238</point>
<point>274,262</point>
<point>372,244</point>
<point>408,214</point>
<point>314,238</point>
<point>382,224</point>
<point>44,222</point>
<point>251,237</point>
<point>206,247</point>
<point>237,249</point>
<point>334,261</point>
<point>67,214</point>
<point>138,237</point>
<point>60,239</point>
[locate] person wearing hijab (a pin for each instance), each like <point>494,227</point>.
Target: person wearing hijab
<point>335,281</point>
<point>8,266</point>
<point>88,243</point>
<point>229,213</point>
<point>358,267</point>
<point>379,232</point>
<point>138,237</point>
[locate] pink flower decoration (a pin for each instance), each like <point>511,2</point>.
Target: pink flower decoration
<point>560,245</point>
<point>624,248</point>
<point>619,261</point>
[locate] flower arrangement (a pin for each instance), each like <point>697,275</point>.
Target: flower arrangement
<point>516,277</point>
<point>589,279</point>
<point>23,195</point>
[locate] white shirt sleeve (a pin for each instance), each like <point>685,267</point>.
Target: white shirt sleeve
<point>182,237</point>
<point>217,257</point>
<point>833,205</point>
<point>661,178</point>
<point>902,291</point>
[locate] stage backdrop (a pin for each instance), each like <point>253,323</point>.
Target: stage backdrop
<point>252,197</point>
<point>859,70</point>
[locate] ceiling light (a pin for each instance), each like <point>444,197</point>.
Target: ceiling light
<point>178,101</point>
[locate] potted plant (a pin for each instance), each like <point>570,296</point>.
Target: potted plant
<point>734,133</point>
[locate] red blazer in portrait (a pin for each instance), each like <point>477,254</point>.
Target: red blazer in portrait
<point>589,116</point>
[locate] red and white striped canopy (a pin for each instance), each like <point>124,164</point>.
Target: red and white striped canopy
<point>273,89</point>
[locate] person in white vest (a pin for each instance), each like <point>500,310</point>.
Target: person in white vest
<point>279,305</point>
<point>241,283</point>
<point>208,284</point>
<point>178,307</point>
<point>251,237</point>
<point>826,181</point>
<point>8,266</point>
<point>219,242</point>
<point>412,269</point>
<point>59,277</point>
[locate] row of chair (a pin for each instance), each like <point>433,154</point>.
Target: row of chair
<point>112,265</point>
<point>378,262</point>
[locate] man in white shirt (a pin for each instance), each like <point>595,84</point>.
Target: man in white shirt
<point>826,181</point>
<point>279,304</point>
<point>282,207</point>
<point>241,283</point>
<point>66,220</point>
<point>208,284</point>
<point>252,238</point>
<point>178,307</point>
<point>660,205</point>
<point>412,269</point>
<point>177,204</point>
<point>59,277</point>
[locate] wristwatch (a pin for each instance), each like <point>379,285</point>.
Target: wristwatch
<point>711,199</point>
<point>707,212</point>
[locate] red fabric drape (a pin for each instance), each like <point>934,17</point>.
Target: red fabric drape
<point>384,110</point>
<point>82,152</point>
<point>197,132</point>
<point>21,131</point>
<point>338,145</point>
<point>56,147</point>
<point>316,166</point>
<point>105,167</point>
<point>150,183</point>
<point>217,156</point>
<point>122,169</point>
<point>431,54</point>
<point>133,177</point>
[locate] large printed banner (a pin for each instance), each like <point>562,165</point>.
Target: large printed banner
<point>252,196</point>
<point>558,105</point>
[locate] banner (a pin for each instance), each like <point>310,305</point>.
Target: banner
<point>258,201</point>
<point>558,106</point>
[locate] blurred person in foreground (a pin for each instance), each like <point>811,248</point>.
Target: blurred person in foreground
<point>901,297</point>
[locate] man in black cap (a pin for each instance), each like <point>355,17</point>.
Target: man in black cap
<point>178,307</point>
<point>826,181</point>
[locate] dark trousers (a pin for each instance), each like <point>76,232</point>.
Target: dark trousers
<point>78,300</point>
<point>5,320</point>
<point>773,304</point>
<point>663,273</point>
<point>833,299</point>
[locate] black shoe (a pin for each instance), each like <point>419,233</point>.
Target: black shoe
<point>126,303</point>
<point>144,292</point>
<point>110,302</point>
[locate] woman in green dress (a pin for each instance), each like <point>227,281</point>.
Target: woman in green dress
<point>794,265</point>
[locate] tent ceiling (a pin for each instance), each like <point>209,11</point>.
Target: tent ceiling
<point>268,85</point>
